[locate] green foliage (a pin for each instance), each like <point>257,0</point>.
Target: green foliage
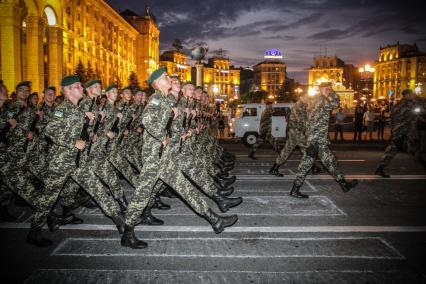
<point>133,80</point>
<point>80,71</point>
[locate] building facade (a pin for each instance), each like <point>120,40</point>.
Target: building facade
<point>399,66</point>
<point>270,76</point>
<point>220,79</point>
<point>332,68</point>
<point>43,40</point>
<point>176,63</point>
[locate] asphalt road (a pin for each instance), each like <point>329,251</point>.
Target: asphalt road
<point>376,233</point>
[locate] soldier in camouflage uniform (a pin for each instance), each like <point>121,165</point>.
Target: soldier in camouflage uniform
<point>64,129</point>
<point>160,163</point>
<point>14,172</point>
<point>401,121</point>
<point>318,110</point>
<point>5,193</point>
<point>265,134</point>
<point>295,136</point>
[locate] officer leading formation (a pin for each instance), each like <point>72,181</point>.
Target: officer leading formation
<point>59,156</point>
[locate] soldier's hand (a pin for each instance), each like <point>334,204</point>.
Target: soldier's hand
<point>126,132</point>
<point>166,142</point>
<point>94,137</point>
<point>194,113</point>
<point>110,134</point>
<point>187,111</point>
<point>120,116</point>
<point>90,116</point>
<point>139,130</point>
<point>40,114</point>
<point>30,136</point>
<point>134,116</point>
<point>176,112</point>
<point>102,114</point>
<point>80,144</point>
<point>12,123</point>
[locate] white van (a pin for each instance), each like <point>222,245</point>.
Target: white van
<point>247,121</point>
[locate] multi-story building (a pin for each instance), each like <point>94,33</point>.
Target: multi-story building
<point>270,76</point>
<point>44,40</point>
<point>176,64</point>
<point>399,66</point>
<point>220,79</point>
<point>332,68</point>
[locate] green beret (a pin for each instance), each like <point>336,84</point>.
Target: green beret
<point>23,84</point>
<point>174,77</point>
<point>110,87</point>
<point>156,74</point>
<point>69,80</point>
<point>127,88</point>
<point>92,82</point>
<point>53,88</point>
<point>199,88</point>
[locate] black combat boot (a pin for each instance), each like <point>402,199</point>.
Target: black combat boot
<point>347,185</point>
<point>226,191</point>
<point>36,238</point>
<point>224,183</point>
<point>129,239</point>
<point>219,223</point>
<point>295,192</point>
<point>168,192</point>
<point>119,222</point>
<point>54,221</point>
<point>90,204</point>
<point>274,170</point>
<point>251,156</point>
<point>225,203</point>
<point>159,204</point>
<point>69,217</point>
<point>5,216</point>
<point>148,219</point>
<point>380,172</point>
<point>227,163</point>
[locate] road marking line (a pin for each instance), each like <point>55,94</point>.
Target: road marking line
<point>328,177</point>
<point>268,156</point>
<point>395,253</point>
<point>236,229</point>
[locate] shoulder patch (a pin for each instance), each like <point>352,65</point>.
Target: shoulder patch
<point>59,114</point>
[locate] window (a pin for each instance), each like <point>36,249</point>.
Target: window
<point>250,112</point>
<point>281,111</point>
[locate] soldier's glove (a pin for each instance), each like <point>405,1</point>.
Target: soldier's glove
<point>312,150</point>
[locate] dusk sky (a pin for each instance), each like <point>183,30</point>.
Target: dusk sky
<point>351,29</point>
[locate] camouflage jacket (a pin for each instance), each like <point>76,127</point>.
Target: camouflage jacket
<point>401,117</point>
<point>318,111</point>
<point>298,116</point>
<point>18,135</point>
<point>266,122</point>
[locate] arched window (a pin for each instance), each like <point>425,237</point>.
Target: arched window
<point>50,15</point>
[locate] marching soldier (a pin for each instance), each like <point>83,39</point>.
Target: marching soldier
<point>402,122</point>
<point>318,110</point>
<point>264,131</point>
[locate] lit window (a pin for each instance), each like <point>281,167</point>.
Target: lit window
<point>51,17</point>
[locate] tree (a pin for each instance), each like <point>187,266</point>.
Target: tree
<point>133,81</point>
<point>118,82</point>
<point>253,96</point>
<point>90,73</point>
<point>80,71</point>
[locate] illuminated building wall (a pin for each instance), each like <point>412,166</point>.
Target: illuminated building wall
<point>42,41</point>
<point>270,76</point>
<point>399,66</point>
<point>220,80</point>
<point>175,62</point>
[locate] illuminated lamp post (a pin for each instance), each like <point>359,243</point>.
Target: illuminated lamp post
<point>367,73</point>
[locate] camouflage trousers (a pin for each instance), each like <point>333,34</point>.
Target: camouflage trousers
<point>263,139</point>
<point>5,194</point>
<point>104,170</point>
<point>118,159</point>
<point>15,175</point>
<point>327,158</point>
<point>55,180</point>
<point>166,169</point>
<point>295,139</point>
<point>396,143</point>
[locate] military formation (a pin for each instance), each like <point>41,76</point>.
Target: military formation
<point>59,156</point>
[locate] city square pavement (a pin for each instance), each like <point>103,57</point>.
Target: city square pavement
<point>376,233</point>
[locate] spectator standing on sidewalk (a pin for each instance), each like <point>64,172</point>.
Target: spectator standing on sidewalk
<point>358,117</point>
<point>221,127</point>
<point>340,121</point>
<point>381,123</point>
<point>369,117</point>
